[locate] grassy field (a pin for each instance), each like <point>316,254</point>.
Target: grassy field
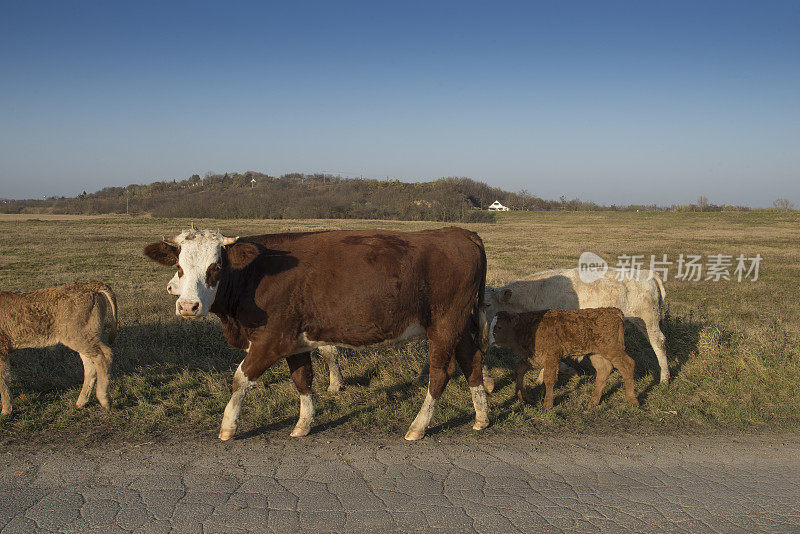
<point>733,346</point>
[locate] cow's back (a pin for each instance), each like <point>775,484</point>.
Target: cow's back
<point>563,289</point>
<point>363,287</point>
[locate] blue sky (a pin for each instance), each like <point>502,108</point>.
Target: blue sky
<point>614,102</point>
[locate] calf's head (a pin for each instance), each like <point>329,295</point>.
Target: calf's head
<point>501,330</point>
<point>496,299</point>
<point>198,256</point>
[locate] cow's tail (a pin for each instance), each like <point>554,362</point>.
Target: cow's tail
<point>106,291</point>
<point>662,294</point>
<point>479,311</point>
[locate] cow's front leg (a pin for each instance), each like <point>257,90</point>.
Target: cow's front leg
<point>259,357</point>
<point>240,386</point>
<point>303,375</point>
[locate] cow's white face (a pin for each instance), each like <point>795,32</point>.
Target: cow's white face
<point>199,262</point>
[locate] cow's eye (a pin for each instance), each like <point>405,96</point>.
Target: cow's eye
<point>180,271</point>
<point>214,267</point>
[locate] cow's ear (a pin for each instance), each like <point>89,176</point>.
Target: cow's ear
<point>163,253</point>
<point>505,296</point>
<point>241,254</point>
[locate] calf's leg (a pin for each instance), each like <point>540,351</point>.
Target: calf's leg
<point>603,369</point>
<point>550,377</point>
<point>302,375</point>
<point>101,359</point>
<point>563,368</point>
<point>5,394</point>
<point>89,378</point>
<point>99,355</point>
<point>330,354</point>
<point>522,367</point>
<point>622,361</point>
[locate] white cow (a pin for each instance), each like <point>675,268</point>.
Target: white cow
<point>640,299</point>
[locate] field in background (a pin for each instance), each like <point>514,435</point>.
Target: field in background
<point>733,346</point>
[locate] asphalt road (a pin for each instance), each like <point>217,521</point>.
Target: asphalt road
<point>461,482</point>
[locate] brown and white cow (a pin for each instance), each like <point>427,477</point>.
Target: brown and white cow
<point>281,295</point>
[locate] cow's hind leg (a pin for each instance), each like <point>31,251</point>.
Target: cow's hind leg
<point>442,366</point>
<point>659,344</point>
<point>89,378</point>
<point>330,354</point>
<point>303,375</point>
<point>5,394</point>
<point>655,336</point>
<point>470,359</point>
<point>422,378</point>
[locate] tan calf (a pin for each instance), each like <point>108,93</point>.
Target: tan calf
<point>71,314</point>
<point>541,339</point>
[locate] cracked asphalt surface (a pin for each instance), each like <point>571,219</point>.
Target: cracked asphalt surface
<point>461,482</point>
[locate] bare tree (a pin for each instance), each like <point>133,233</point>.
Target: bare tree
<point>702,203</point>
<point>783,204</point>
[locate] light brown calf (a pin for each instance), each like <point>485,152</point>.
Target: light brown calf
<point>543,338</point>
<point>71,314</point>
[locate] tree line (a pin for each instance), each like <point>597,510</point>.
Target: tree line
<point>318,196</point>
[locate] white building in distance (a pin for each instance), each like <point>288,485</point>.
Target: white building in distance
<point>496,206</point>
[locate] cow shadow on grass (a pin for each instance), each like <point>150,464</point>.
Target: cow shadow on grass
<point>400,393</point>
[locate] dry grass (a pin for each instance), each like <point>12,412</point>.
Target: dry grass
<point>733,346</point>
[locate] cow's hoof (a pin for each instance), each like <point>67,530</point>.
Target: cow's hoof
<point>80,403</point>
<point>226,433</point>
<point>665,379</point>
<point>414,435</point>
<point>334,388</point>
<point>488,384</point>
<point>300,431</point>
<point>480,425</point>
<point>6,411</point>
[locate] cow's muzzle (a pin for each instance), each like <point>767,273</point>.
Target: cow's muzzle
<point>188,308</point>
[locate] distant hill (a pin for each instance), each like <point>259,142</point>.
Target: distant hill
<point>302,196</point>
